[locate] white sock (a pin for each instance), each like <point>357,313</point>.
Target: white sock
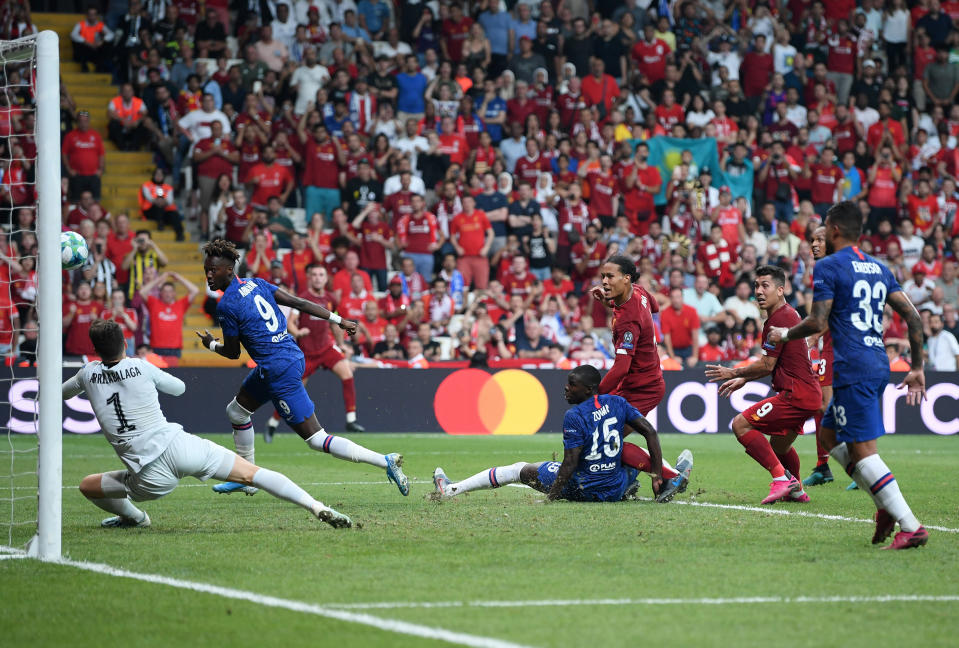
<point>345,449</point>
<point>351,417</point>
<point>885,491</point>
<point>281,486</point>
<point>120,506</point>
<point>273,423</point>
<point>841,454</point>
<point>492,478</point>
<point>243,440</point>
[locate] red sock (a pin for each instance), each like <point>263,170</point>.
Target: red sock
<point>276,415</point>
<point>790,461</point>
<point>759,449</point>
<point>638,458</point>
<point>822,455</point>
<point>349,395</point>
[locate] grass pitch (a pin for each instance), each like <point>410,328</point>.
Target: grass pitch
<point>502,566</point>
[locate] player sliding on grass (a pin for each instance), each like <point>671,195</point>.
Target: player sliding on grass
<point>850,290</point>
<point>781,416</point>
<point>592,468</point>
<point>157,453</point>
<point>636,374</point>
<point>249,314</point>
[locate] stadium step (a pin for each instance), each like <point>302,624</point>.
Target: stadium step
<point>56,21</point>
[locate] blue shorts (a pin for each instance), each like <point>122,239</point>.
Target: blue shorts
<point>855,412</point>
<point>285,390</point>
<point>575,490</point>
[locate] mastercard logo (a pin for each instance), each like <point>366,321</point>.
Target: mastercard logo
<point>471,401</point>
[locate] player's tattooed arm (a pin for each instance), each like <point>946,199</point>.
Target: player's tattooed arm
<point>284,298</point>
<point>915,380</point>
<point>816,322</point>
<point>570,461</point>
<point>649,433</point>
<point>733,379</point>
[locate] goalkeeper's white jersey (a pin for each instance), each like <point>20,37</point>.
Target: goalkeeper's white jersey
<point>125,401</point>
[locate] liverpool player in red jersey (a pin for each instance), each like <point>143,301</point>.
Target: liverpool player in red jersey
<point>783,415</point>
<point>636,374</point>
<point>821,474</point>
<point>320,347</point>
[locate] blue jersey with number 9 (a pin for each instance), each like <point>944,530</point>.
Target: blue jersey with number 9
<point>858,285</point>
<point>248,311</point>
<point>596,427</point>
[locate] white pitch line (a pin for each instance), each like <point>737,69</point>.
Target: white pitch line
<point>738,600</point>
<point>387,625</point>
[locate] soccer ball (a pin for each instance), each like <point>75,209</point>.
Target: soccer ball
<point>73,250</point>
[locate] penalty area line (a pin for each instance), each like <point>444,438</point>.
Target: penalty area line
<point>738,600</point>
<point>387,625</point>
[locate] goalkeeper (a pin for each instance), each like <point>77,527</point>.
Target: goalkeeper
<point>157,453</point>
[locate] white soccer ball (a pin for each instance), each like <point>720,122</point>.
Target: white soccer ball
<point>73,250</point>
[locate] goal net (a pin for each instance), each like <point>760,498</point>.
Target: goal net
<point>30,297</point>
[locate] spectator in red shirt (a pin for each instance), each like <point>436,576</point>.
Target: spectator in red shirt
<point>260,256</point>
<point>826,181</point>
<point>322,159</point>
<point>455,31</point>
<point>680,324</point>
<point>418,236</point>
<point>125,317</point>
<point>586,257</point>
<point>78,315</point>
<point>342,280</point>
<point>375,238</point>
<point>84,158</point>
<point>235,218</point>
<point>650,55</point>
<point>167,313</point>
<point>669,113</point>
<point>923,208</point>
<point>471,235</point>
<point>119,245</point>
<point>756,69</point>
<point>212,156</point>
<point>452,142</point>
<point>396,302</point>
<point>518,281</point>
<point>599,88</point>
<point>269,178</point>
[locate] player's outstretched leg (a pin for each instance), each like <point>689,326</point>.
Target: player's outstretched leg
<point>345,449</point>
<point>272,424</point>
<point>280,486</point>
<point>349,396</point>
<point>491,478</point>
<point>758,447</point>
<point>107,491</point>
<point>243,438</point>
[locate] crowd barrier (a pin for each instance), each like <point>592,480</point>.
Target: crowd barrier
<point>473,401</point>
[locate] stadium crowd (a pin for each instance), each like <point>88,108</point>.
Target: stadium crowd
<point>461,170</point>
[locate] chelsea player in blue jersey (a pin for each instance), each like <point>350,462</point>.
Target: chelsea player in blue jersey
<point>850,291</point>
<point>249,314</point>
<point>592,468</point>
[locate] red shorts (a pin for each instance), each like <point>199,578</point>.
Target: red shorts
<point>324,360</point>
<point>780,415</point>
<point>644,400</point>
<point>823,368</point>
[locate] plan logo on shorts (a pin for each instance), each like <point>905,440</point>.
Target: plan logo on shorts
<point>627,342</point>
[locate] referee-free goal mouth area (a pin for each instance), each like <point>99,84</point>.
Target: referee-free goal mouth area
<point>496,567</point>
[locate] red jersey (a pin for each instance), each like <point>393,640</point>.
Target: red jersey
<point>634,334</point>
<point>845,135</point>
<point>472,231</point>
<point>418,233</point>
<point>564,288</point>
<point>454,35</point>
<point>271,180</point>
<point>236,222</point>
<point>321,168</point>
<point>83,150</point>
<point>390,305</point>
<point>398,204</point>
<point>78,333</point>
<point>825,181</point>
<point>529,169</point>
<point>842,54</point>
<point>716,261</point>
<point>730,218</point>
<point>593,256</point>
<point>923,212</point>
<point>513,285</point>
<point>295,264</point>
<point>215,165</point>
<point>650,59</point>
<point>793,372</point>
<point>320,337</point>
<point>372,253</point>
<point>576,217</point>
<point>352,305</point>
<point>602,188</point>
<point>681,326</point>
<point>127,331</point>
<point>166,322</point>
<point>517,111</point>
<point>455,146</point>
<point>569,107</point>
<point>669,117</point>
